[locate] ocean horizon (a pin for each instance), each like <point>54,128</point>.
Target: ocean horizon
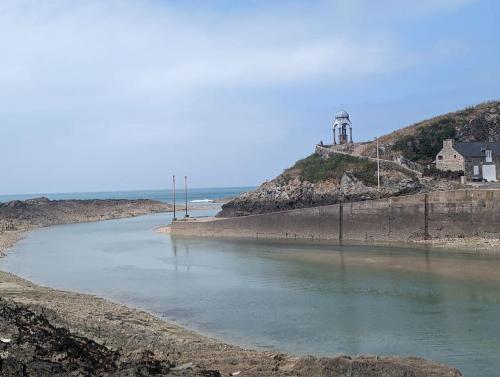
<point>195,195</point>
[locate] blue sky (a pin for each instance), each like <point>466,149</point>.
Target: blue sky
<point>110,95</point>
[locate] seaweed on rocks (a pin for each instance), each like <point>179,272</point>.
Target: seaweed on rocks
<point>31,346</point>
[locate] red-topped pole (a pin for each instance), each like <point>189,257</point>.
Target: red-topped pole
<point>173,180</point>
<point>186,193</point>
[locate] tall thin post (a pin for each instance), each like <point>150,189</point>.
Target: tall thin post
<point>378,167</point>
<point>186,194</point>
<point>173,181</point>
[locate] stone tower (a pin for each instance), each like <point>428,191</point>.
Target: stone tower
<point>342,122</point>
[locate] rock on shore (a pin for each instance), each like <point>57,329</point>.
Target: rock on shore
<point>31,346</point>
<point>39,212</point>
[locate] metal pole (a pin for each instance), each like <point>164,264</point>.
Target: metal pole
<point>186,193</point>
<point>378,167</point>
<point>173,180</point>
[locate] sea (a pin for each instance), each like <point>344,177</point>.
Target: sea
<point>194,195</point>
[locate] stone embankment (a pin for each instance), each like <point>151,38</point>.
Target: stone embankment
<point>461,214</point>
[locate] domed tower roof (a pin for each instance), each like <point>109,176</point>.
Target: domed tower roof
<point>342,114</point>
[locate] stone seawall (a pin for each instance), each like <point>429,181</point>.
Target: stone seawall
<point>443,214</point>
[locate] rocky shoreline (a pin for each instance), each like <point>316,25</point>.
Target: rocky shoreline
<point>17,217</point>
<point>47,332</point>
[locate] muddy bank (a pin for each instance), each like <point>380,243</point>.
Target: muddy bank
<point>463,244</point>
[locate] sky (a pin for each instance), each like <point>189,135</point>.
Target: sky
<point>101,95</point>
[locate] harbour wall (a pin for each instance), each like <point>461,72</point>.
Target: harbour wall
<point>441,214</point>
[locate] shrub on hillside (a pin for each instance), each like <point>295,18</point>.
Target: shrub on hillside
<point>316,168</point>
<point>427,141</point>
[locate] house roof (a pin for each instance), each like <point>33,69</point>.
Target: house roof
<point>476,149</point>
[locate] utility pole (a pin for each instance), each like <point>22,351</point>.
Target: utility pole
<point>378,167</point>
<point>186,193</point>
<point>173,181</point>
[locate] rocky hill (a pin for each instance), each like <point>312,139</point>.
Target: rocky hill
<point>421,141</point>
<point>349,173</point>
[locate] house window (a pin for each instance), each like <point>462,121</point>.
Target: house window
<point>476,170</point>
<point>440,157</point>
<point>454,156</point>
<point>489,155</point>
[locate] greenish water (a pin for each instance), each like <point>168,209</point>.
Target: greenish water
<point>302,299</point>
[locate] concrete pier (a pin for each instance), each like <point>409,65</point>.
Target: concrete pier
<point>440,214</point>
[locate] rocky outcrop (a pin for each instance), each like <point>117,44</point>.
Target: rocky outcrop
<point>31,346</point>
<point>280,194</point>
<point>482,126</point>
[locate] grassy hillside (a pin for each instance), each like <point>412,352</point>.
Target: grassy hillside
<point>421,141</point>
<point>315,168</point>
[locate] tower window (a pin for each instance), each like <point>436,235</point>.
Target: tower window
<point>440,157</point>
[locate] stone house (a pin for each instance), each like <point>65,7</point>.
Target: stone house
<point>478,160</point>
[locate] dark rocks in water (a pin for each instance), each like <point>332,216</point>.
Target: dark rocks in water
<point>31,346</point>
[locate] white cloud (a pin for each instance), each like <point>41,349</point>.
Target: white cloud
<point>124,49</point>
<point>111,74</point>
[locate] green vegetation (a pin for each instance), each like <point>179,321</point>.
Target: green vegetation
<point>426,142</point>
<point>316,168</point>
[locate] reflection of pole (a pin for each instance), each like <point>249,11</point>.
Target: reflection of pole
<point>186,193</point>
<point>378,167</point>
<point>173,181</point>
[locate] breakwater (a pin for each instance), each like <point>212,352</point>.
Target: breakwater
<point>440,214</point>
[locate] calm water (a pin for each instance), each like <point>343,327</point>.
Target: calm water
<point>195,194</point>
<point>295,298</point>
